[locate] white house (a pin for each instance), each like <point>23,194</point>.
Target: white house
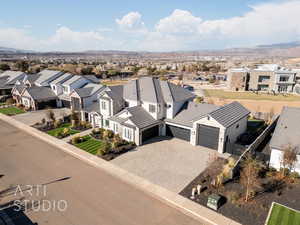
<point>287,133</point>
<point>147,107</point>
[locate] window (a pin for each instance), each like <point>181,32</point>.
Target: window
<point>283,79</point>
<point>106,123</point>
<point>127,133</point>
<point>53,87</point>
<point>263,78</point>
<point>152,108</point>
<point>237,126</point>
<point>116,127</point>
<point>65,89</point>
<point>103,105</point>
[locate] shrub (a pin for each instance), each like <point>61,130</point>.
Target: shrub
<point>57,123</point>
<point>65,131</point>
<point>294,175</point>
<point>43,121</point>
<point>76,140</point>
<point>233,196</point>
<point>96,131</point>
<point>10,101</point>
<point>107,134</point>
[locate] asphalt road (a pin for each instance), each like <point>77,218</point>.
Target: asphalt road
<point>93,197</point>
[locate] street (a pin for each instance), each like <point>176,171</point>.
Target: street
<point>93,196</point>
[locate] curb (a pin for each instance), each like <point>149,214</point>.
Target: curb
<point>172,199</point>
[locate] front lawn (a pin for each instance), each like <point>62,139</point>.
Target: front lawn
<point>57,131</point>
<point>281,215</point>
<point>10,111</point>
<point>89,144</point>
<point>249,95</point>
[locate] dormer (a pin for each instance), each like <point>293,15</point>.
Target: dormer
<point>72,83</point>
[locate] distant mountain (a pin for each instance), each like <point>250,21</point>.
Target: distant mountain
<point>281,45</point>
<point>5,50</point>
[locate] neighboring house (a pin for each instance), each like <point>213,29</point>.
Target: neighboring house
<point>287,133</point>
<point>8,79</point>
<point>38,98</point>
<point>265,77</point>
<point>46,77</point>
<point>147,107</point>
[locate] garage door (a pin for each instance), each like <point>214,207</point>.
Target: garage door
<point>48,104</point>
<point>208,136</point>
<point>66,104</point>
<point>150,133</point>
<point>178,132</point>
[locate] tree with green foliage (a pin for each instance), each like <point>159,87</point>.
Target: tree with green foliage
<point>22,65</point>
<point>4,67</point>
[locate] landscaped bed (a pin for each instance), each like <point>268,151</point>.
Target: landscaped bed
<point>103,143</point>
<point>11,111</point>
<point>281,215</point>
<point>63,131</point>
<point>255,211</point>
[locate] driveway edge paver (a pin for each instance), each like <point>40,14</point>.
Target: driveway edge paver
<point>186,206</point>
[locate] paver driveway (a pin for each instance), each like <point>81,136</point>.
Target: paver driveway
<point>30,118</point>
<point>170,163</point>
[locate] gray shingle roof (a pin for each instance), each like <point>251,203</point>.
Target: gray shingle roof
<point>229,114</point>
<point>88,90</point>
<point>149,89</point>
<point>94,107</point>
<point>287,129</point>
<point>31,78</point>
<point>38,93</point>
<point>9,78</point>
<point>139,116</point>
<point>47,76</point>
<point>72,80</point>
<point>62,79</point>
<point>192,112</point>
<point>92,78</point>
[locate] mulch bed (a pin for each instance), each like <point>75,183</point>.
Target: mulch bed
<point>256,210</point>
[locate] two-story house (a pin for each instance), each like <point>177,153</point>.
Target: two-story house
<point>148,107</point>
<point>8,79</point>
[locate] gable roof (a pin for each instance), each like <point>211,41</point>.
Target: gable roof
<point>138,115</point>
<point>38,93</point>
<point>150,89</point>
<point>9,78</point>
<point>47,76</point>
<point>229,114</point>
<point>61,79</point>
<point>72,80</point>
<point>88,90</point>
<point>92,78</point>
<point>192,112</point>
<point>287,129</point>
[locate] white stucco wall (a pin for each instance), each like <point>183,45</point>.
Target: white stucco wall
<point>276,159</point>
<point>235,130</point>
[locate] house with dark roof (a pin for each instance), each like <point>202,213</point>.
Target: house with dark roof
<point>8,79</point>
<point>286,135</point>
<point>148,107</point>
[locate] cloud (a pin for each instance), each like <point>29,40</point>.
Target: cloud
<point>132,22</point>
<point>180,21</point>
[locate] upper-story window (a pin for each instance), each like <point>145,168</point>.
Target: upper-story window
<point>53,87</point>
<point>263,78</point>
<point>152,108</point>
<point>65,89</point>
<point>283,78</point>
<point>103,105</point>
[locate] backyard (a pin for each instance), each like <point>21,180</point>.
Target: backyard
<point>281,215</point>
<point>89,144</point>
<point>10,111</point>
<point>249,95</point>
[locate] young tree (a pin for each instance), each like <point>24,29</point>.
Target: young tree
<point>289,158</point>
<point>50,115</point>
<point>249,175</point>
<point>22,65</point>
<point>198,99</point>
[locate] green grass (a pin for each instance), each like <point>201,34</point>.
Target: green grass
<point>249,95</point>
<point>56,131</point>
<point>2,103</point>
<point>281,215</point>
<point>90,145</point>
<point>11,111</point>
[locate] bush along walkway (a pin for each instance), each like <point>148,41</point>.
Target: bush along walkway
<point>83,133</point>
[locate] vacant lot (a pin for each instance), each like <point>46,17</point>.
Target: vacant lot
<point>249,95</point>
<point>281,215</point>
<point>11,111</point>
<point>114,82</point>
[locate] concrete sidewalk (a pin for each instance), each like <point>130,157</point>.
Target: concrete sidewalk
<point>185,205</point>
<point>86,132</point>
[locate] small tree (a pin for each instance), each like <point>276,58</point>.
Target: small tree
<point>50,115</point>
<point>288,159</point>
<point>249,176</point>
<point>198,99</point>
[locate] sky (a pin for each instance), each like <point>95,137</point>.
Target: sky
<point>139,25</point>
